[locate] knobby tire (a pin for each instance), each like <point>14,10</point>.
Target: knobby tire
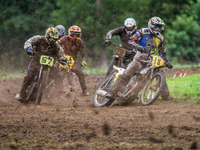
<point>161,85</point>
<point>95,97</point>
<point>41,86</point>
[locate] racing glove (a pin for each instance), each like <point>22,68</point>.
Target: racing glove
<point>63,61</point>
<point>168,64</point>
<point>141,49</point>
<point>84,63</point>
<point>107,42</point>
<point>29,51</point>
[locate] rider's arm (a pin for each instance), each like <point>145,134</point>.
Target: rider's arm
<point>161,48</point>
<point>116,31</point>
<point>32,41</point>
<point>60,51</point>
<point>135,39</point>
<point>162,53</point>
<point>82,50</point>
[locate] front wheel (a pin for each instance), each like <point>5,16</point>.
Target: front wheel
<point>153,89</point>
<point>105,85</point>
<point>110,69</point>
<point>41,86</point>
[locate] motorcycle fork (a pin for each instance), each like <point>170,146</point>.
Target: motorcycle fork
<point>152,71</point>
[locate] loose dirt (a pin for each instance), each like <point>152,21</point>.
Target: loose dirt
<point>68,120</point>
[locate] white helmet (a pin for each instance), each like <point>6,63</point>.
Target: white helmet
<point>130,25</point>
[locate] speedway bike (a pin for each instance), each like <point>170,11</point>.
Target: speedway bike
<point>42,81</point>
<point>149,79</point>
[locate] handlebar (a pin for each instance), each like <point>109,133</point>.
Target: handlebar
<point>113,43</point>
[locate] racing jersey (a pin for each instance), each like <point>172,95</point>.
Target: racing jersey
<point>145,38</point>
<point>72,47</point>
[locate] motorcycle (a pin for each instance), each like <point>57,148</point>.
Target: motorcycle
<point>42,82</point>
<point>149,79</point>
<point>122,57</point>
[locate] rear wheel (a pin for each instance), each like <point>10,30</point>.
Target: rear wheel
<point>105,85</point>
<point>110,69</point>
<point>152,89</point>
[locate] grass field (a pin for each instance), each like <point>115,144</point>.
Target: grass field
<point>185,88</point>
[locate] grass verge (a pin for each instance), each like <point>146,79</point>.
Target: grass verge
<point>8,75</point>
<point>185,88</point>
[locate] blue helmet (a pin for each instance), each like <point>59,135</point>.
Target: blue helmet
<point>61,30</point>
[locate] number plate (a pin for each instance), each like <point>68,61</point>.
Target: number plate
<point>70,63</point>
<point>157,61</point>
<point>46,60</point>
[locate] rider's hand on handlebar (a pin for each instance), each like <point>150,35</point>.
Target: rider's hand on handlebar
<point>29,51</point>
<point>169,65</point>
<point>107,42</point>
<point>63,61</point>
<point>141,48</point>
<point>84,63</point>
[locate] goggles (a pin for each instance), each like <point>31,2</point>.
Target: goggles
<point>129,28</point>
<point>75,35</point>
<point>157,27</point>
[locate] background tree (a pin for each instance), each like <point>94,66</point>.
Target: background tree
<point>22,19</point>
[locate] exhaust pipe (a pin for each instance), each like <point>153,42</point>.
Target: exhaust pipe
<point>101,92</point>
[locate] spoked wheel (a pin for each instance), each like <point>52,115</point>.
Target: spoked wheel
<point>41,86</point>
<point>152,89</point>
<point>104,86</point>
<point>110,69</point>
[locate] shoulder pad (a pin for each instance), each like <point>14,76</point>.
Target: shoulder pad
<point>145,31</point>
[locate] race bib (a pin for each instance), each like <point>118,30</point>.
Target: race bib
<point>70,63</point>
<point>46,60</point>
<point>157,61</point>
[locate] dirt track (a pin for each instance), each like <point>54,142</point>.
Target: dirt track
<point>71,122</point>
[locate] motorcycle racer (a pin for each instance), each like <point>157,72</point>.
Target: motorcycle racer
<point>73,44</point>
<point>125,32</point>
<point>42,45</point>
<point>146,40</point>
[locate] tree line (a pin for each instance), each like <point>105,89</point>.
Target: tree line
<point>21,20</point>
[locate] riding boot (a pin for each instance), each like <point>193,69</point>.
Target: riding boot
<point>27,80</point>
<point>165,92</point>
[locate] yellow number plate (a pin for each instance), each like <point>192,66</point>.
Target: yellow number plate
<point>70,63</point>
<point>46,60</point>
<point>157,61</point>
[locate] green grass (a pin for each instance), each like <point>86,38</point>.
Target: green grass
<point>185,65</point>
<point>8,75</point>
<point>94,71</point>
<point>185,88</point>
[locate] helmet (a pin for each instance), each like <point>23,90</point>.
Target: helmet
<point>130,25</point>
<point>61,30</point>
<point>155,25</point>
<point>51,35</point>
<point>74,32</point>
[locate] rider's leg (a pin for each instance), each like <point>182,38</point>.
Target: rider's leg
<point>122,80</point>
<point>31,72</point>
<point>81,78</point>
<point>165,93</point>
